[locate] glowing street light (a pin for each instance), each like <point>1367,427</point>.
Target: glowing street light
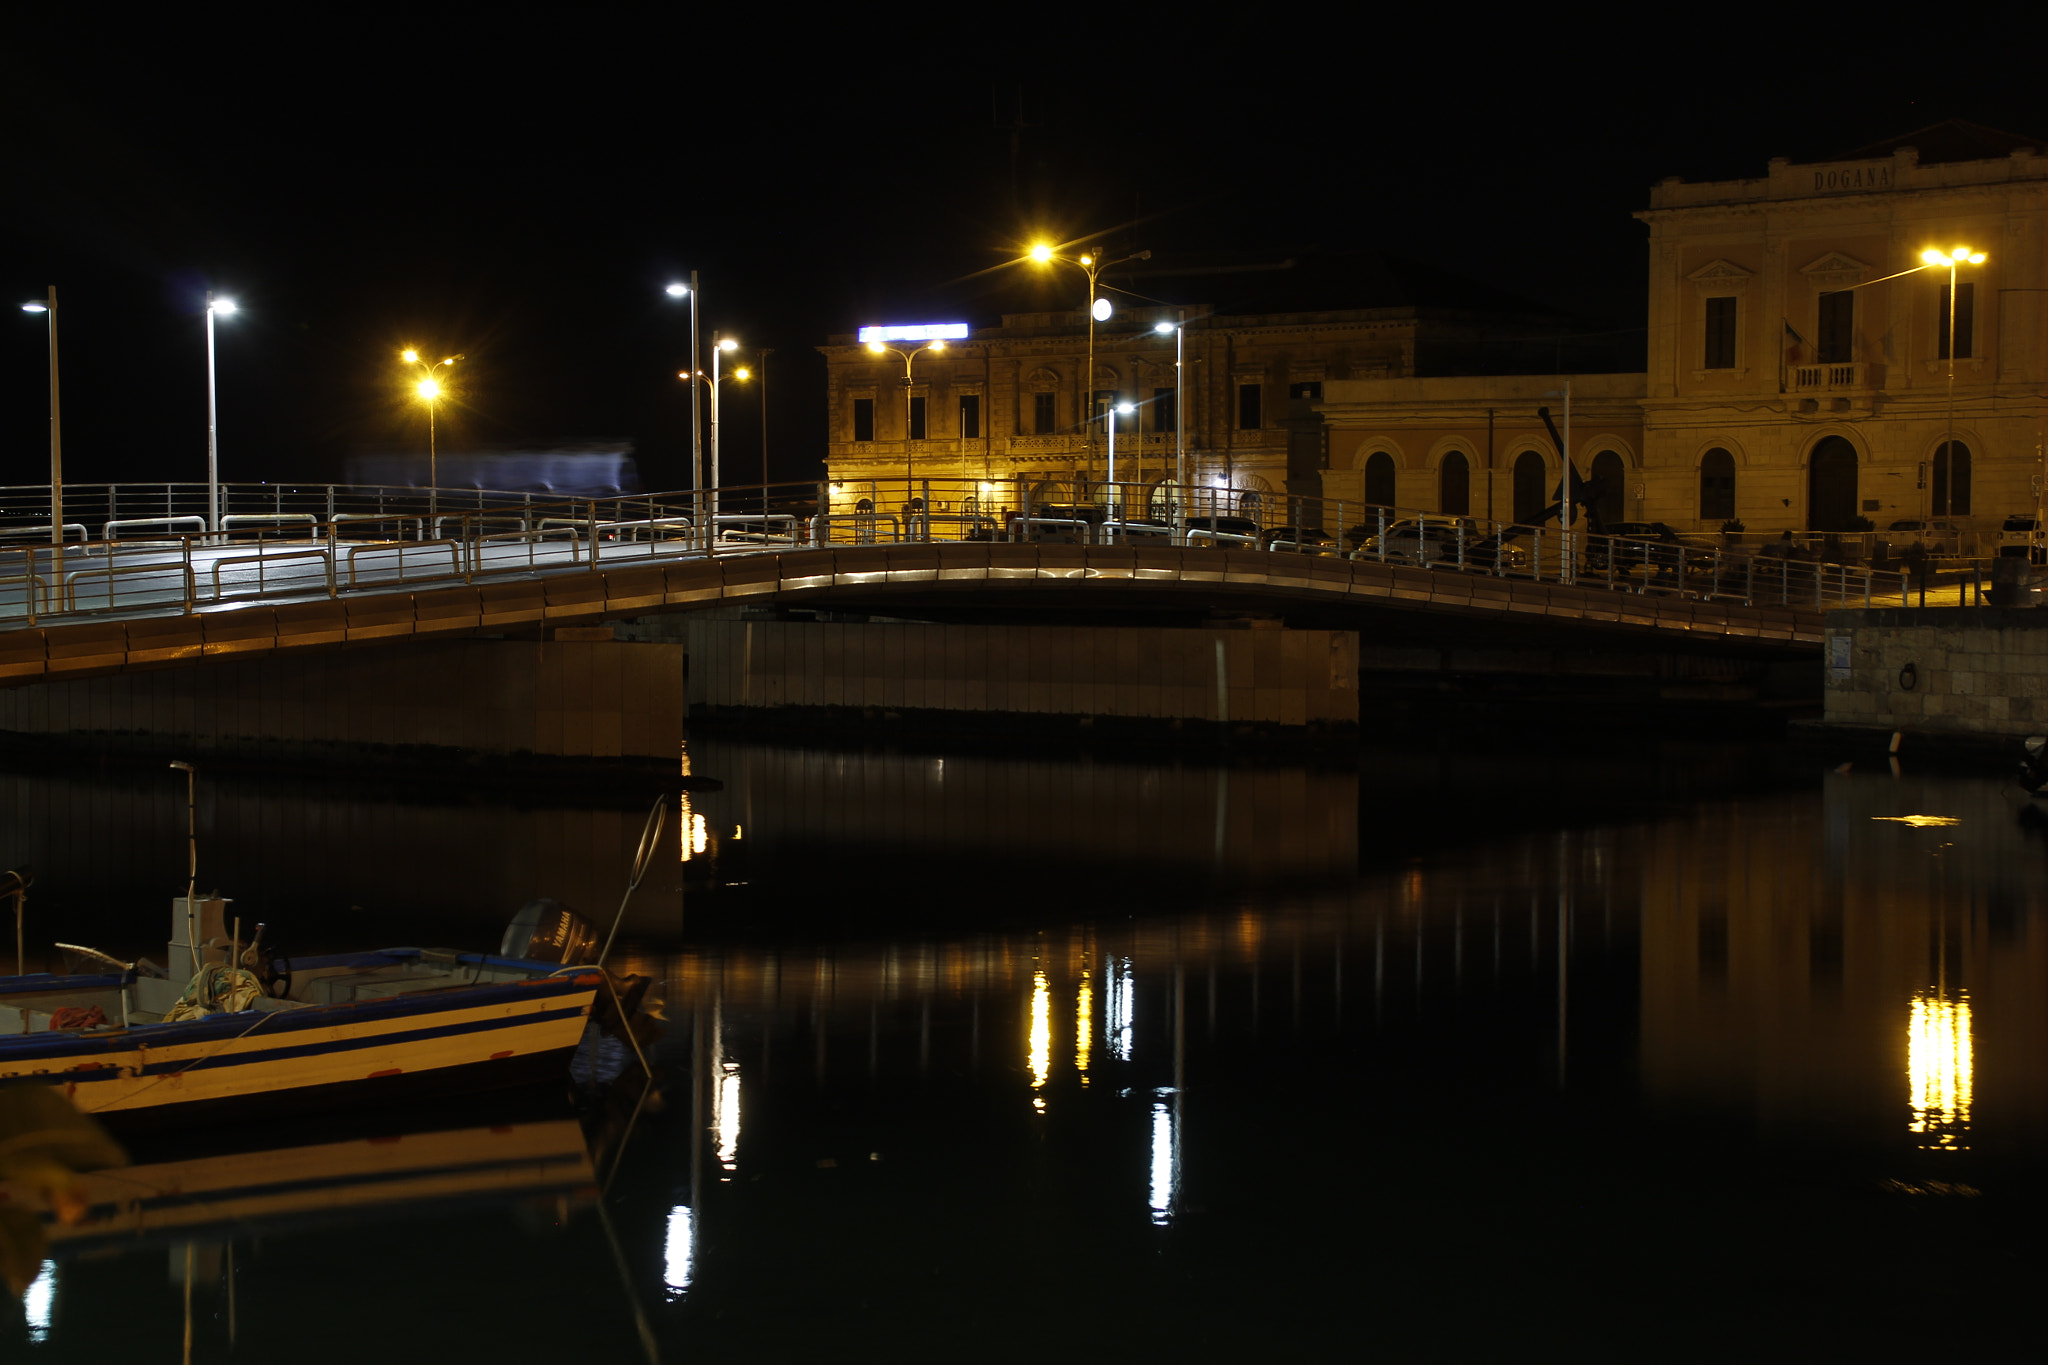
<point>1178,328</point>
<point>430,391</point>
<point>1935,259</point>
<point>216,306</point>
<point>1099,310</point>
<point>723,347</point>
<point>879,347</point>
<point>48,307</point>
<point>1124,409</point>
<point>689,291</point>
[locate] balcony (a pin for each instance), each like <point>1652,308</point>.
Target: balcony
<point>1827,378</point>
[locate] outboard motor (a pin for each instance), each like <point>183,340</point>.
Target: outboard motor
<point>546,930</point>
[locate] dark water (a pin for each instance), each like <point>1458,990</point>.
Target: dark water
<point>1666,1052</point>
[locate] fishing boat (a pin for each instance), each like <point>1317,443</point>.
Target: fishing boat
<point>226,1027</point>
<point>230,1026</point>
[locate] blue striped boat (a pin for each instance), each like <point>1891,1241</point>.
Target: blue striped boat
<point>350,1027</point>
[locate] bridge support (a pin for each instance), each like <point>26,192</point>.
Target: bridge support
<point>433,700</point>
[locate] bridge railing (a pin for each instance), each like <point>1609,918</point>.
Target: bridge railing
<point>325,540</point>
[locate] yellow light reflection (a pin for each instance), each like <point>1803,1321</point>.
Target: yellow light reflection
<point>1040,1059</point>
<point>1084,1026</point>
<point>1920,821</point>
<point>700,838</point>
<point>683,824</point>
<point>1938,1071</point>
<point>726,1116</point>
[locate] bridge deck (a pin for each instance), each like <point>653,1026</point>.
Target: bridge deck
<point>582,594</point>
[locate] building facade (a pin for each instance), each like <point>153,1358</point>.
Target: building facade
<point>1800,374</point>
<point>1011,409</point>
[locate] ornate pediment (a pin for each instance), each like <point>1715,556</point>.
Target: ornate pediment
<point>1042,378</point>
<point>1721,277</point>
<point>1835,270</point>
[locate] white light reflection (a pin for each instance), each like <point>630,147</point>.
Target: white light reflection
<point>38,1303</point>
<point>1122,1010</point>
<point>1939,1071</point>
<point>680,1251</point>
<point>1163,1168</point>
<point>726,1116</point>
<point>1040,1056</point>
<point>699,838</point>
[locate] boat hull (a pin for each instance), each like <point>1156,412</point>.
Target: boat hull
<point>466,1037</point>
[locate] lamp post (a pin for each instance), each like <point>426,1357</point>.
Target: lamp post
<point>1092,265</point>
<point>429,389</point>
<point>49,309</point>
<point>1949,260</point>
<point>222,307</point>
<point>1179,328</point>
<point>908,359</point>
<point>716,379</point>
<point>1116,410</point>
<point>677,291</point>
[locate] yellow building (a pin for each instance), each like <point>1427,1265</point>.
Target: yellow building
<point>1007,411</point>
<point>1799,372</point>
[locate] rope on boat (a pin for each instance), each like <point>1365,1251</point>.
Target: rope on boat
<point>217,989</point>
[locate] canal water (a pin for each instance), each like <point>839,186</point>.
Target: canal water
<point>1649,1051</point>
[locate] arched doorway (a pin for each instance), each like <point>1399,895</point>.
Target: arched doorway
<point>1952,480</point>
<point>1454,486</point>
<point>1379,479</point>
<point>1831,486</point>
<point>1529,499</point>
<point>1717,486</point>
<point>1610,485</point>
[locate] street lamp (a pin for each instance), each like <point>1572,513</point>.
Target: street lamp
<point>880,349</point>
<point>49,308</point>
<point>221,307</point>
<point>430,390</point>
<point>1948,260</point>
<point>723,347</point>
<point>1178,327</point>
<point>1124,409</point>
<point>689,291</point>
<point>1099,310</point>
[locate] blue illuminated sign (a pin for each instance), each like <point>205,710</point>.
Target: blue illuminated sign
<point>921,331</point>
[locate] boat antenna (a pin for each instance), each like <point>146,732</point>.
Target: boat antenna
<point>650,836</point>
<point>191,854</point>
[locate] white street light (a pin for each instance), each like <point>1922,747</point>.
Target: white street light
<point>1116,410</point>
<point>1179,329</point>
<point>49,307</point>
<point>689,291</point>
<point>1101,310</point>
<point>215,307</point>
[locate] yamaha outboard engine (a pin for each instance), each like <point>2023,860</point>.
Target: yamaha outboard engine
<point>546,930</point>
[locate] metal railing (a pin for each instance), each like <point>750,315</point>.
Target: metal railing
<point>325,540</point>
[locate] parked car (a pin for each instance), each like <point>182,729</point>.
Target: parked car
<point>1635,547</point>
<point>1937,537</point>
<point>1207,530</point>
<point>1445,545</point>
<point>1307,540</point>
<point>2022,537</point>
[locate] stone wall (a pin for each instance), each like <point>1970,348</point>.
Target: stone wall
<point>1974,670</point>
<point>597,698</point>
<point>1277,677</point>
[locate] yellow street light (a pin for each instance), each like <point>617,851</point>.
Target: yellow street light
<point>1099,310</point>
<point>1937,259</point>
<point>430,391</point>
<point>1041,253</point>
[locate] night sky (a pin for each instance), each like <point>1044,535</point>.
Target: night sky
<point>520,188</point>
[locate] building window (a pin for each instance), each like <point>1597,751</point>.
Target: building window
<point>1965,322</point>
<point>1162,410</point>
<point>1720,334</point>
<point>1607,480</point>
<point>917,419</point>
<point>1837,327</point>
<point>863,419</point>
<point>1100,406</point>
<point>1248,407</point>
<point>1044,413</point>
<point>1311,389</point>
<point>1529,499</point>
<point>970,416</point>
<point>1379,479</point>
<point>1454,486</point>
<point>1717,485</point>
<point>1952,483</point>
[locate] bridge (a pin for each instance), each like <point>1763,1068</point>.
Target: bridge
<point>150,582</point>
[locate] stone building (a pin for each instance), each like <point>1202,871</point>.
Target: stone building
<point>1009,408</point>
<point>1799,372</point>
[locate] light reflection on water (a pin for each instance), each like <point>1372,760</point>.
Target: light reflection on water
<point>1733,969</point>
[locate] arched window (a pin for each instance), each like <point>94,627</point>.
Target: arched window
<point>1454,486</point>
<point>1249,504</point>
<point>1609,477</point>
<point>1529,499</point>
<point>1831,485</point>
<point>1379,479</point>
<point>1952,480</point>
<point>1717,485</point>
